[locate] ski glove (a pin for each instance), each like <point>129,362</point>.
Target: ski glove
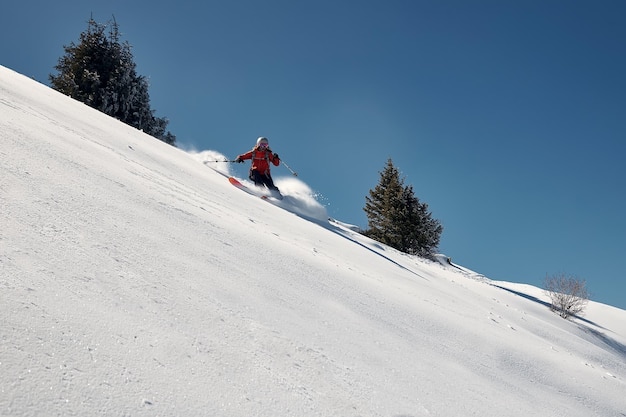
<point>239,160</point>
<point>276,156</point>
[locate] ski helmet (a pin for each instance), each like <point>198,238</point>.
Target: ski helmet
<point>261,140</point>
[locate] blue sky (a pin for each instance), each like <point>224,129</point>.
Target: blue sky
<point>507,117</point>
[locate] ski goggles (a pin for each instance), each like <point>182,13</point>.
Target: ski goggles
<point>263,145</point>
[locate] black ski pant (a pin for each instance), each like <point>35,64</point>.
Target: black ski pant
<point>261,179</point>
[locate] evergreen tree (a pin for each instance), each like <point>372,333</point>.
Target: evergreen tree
<point>100,71</point>
<point>421,232</point>
<point>397,218</point>
<point>383,207</point>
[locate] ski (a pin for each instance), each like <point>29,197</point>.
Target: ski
<point>234,181</point>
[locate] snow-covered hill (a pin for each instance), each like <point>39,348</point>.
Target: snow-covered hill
<point>135,281</point>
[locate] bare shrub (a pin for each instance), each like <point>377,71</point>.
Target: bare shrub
<point>568,294</point>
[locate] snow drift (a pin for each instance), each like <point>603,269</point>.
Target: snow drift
<point>136,281</point>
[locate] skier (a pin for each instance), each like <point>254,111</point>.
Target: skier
<point>261,156</point>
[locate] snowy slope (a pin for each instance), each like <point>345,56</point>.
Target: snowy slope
<point>136,281</point>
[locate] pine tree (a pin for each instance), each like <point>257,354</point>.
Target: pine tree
<point>383,206</point>
<point>100,71</point>
<point>422,231</point>
<point>397,218</point>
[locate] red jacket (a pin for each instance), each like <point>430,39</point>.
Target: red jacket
<point>261,159</point>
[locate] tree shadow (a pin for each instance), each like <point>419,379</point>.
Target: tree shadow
<point>339,231</point>
<point>610,342</point>
<point>544,303</point>
<point>524,295</point>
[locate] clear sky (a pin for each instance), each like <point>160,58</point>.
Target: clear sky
<point>507,117</point>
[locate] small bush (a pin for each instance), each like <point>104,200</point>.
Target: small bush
<point>567,294</point>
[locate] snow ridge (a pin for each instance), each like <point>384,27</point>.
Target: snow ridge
<point>135,281</point>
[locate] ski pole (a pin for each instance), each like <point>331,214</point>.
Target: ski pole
<point>217,160</point>
<point>295,174</point>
